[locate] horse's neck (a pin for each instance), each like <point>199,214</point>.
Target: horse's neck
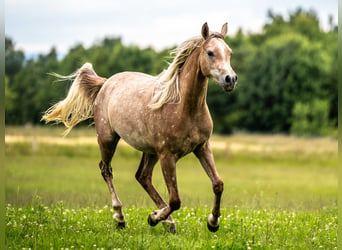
<point>193,85</point>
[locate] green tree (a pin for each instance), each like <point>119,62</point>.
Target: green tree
<point>300,21</point>
<point>75,58</point>
<point>330,87</point>
<point>284,70</point>
<point>311,119</point>
<point>14,59</point>
<point>10,97</point>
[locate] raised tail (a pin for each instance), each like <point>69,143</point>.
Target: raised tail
<point>79,103</point>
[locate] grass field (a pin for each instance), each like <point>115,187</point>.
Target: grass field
<point>57,227</point>
<point>280,192</point>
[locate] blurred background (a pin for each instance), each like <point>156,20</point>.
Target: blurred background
<point>275,135</point>
<point>285,55</point>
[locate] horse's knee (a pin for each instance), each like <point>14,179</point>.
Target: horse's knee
<point>218,187</point>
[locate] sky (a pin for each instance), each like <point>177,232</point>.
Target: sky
<point>38,25</point>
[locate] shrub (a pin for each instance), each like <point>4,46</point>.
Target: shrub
<point>311,119</point>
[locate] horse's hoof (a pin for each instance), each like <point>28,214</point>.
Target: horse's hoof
<point>121,225</point>
<point>212,223</point>
<point>119,221</point>
<point>150,221</point>
<point>211,228</point>
<point>171,227</point>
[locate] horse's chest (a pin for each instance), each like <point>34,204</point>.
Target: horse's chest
<point>186,138</point>
<point>190,142</point>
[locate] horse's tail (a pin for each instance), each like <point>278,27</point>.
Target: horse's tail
<point>79,103</point>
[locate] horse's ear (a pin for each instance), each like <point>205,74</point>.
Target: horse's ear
<point>224,29</point>
<point>205,31</point>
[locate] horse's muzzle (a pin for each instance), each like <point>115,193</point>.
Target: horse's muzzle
<point>229,83</point>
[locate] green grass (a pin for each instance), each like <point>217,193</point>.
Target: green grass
<point>280,192</point>
<point>41,227</point>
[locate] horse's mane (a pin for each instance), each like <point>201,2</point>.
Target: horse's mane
<point>166,89</point>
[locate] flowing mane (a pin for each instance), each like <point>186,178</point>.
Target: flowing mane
<point>167,86</point>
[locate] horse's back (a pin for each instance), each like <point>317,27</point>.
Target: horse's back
<point>126,88</point>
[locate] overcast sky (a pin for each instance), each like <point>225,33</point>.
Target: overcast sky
<point>37,25</point>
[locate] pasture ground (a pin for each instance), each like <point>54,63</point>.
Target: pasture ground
<point>280,192</point>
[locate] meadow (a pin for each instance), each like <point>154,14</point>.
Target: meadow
<point>280,193</point>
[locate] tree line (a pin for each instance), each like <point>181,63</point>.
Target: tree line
<point>287,77</point>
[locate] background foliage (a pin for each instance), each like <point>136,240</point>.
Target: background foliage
<point>287,77</point>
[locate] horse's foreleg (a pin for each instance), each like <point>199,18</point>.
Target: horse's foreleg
<point>205,155</point>
<point>144,177</point>
<point>168,165</point>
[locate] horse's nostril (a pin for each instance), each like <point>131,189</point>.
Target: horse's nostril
<point>235,78</point>
<point>227,79</point>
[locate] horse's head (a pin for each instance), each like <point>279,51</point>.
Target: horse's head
<point>215,58</point>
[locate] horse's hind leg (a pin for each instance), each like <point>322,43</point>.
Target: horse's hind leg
<point>107,146</point>
<point>168,166</point>
<point>144,177</point>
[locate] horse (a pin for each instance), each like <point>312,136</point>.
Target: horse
<point>164,116</point>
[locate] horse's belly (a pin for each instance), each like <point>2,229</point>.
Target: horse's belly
<point>155,144</point>
<point>137,141</point>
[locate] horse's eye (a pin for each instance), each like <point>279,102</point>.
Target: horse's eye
<point>210,53</point>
